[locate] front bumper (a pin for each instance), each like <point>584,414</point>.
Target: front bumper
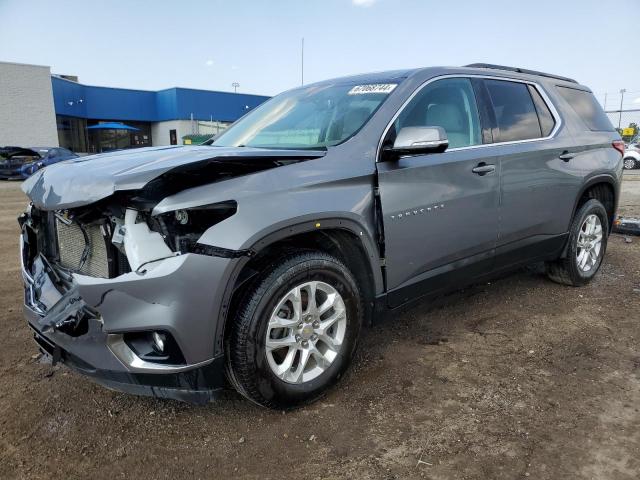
<point>6,174</point>
<point>181,295</point>
<point>17,172</point>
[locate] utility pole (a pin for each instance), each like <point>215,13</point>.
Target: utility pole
<point>622,92</point>
<point>302,63</point>
<point>235,86</point>
<point>605,102</point>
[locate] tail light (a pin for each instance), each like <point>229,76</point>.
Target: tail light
<point>618,145</point>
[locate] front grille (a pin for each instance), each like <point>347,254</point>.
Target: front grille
<point>71,246</point>
<point>18,161</point>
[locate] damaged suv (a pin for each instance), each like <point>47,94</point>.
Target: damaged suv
<point>255,260</point>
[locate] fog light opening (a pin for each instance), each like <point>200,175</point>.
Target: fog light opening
<point>182,217</point>
<point>157,346</point>
<point>159,342</point>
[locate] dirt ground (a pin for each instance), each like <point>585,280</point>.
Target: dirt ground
<point>513,379</point>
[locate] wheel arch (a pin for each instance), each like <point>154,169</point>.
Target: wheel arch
<point>604,188</point>
<point>344,238</point>
<point>601,187</point>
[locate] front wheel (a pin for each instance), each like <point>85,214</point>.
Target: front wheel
<point>629,163</point>
<point>586,248</point>
<point>295,331</point>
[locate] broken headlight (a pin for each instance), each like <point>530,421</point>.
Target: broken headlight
<point>182,228</point>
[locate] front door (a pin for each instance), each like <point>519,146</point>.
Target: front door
<point>440,217</point>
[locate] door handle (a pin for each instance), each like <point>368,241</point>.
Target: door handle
<point>566,156</point>
<point>483,169</point>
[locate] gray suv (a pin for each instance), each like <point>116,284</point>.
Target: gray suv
<point>254,260</point>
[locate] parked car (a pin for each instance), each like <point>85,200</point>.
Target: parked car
<point>632,156</point>
<point>20,163</point>
<point>171,271</point>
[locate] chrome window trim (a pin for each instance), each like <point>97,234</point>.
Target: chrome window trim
<point>536,85</point>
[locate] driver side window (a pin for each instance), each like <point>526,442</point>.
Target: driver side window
<point>450,104</point>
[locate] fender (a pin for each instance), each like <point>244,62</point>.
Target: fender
<point>304,224</point>
<point>314,223</point>
<point>635,154</point>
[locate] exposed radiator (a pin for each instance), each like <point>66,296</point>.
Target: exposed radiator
<point>71,245</point>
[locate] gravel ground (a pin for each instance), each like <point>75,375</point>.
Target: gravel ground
<point>512,379</point>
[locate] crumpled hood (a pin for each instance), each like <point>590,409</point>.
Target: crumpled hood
<point>85,180</point>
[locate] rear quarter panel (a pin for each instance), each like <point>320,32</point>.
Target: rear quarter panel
<point>595,158</point>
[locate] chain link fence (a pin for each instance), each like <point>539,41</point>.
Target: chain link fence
<point>202,130</point>
<point>208,128</point>
<point>626,121</point>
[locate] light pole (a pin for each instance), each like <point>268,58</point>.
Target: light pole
<point>235,86</point>
<point>622,92</point>
<point>302,63</point>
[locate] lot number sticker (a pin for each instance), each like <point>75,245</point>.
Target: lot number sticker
<point>384,88</point>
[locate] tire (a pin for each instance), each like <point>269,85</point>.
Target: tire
<point>568,270</point>
<point>253,369</point>
<point>629,163</point>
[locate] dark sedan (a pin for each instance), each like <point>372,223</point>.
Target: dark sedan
<point>20,163</point>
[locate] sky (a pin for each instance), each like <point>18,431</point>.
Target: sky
<point>257,43</point>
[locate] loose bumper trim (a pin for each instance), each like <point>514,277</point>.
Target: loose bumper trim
<point>212,251</point>
<point>197,386</point>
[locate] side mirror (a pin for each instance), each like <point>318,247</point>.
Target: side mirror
<point>419,140</point>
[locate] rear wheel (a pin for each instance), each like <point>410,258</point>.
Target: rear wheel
<point>586,247</point>
<point>295,332</point>
<point>629,163</point>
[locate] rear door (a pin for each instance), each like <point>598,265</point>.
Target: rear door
<point>539,184</point>
<point>440,218</point>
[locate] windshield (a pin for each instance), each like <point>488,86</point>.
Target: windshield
<point>314,117</point>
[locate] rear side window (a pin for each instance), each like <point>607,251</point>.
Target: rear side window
<point>515,112</point>
<point>547,121</point>
<point>588,108</point>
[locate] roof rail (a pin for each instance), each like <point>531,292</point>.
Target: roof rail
<point>519,70</point>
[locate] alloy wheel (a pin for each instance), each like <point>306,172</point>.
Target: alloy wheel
<point>306,331</point>
<point>589,243</point>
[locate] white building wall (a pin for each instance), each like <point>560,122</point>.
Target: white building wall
<point>27,115</point>
<point>160,131</point>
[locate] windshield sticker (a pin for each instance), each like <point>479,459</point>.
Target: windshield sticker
<point>384,88</point>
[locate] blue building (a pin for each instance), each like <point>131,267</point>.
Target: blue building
<point>149,118</point>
